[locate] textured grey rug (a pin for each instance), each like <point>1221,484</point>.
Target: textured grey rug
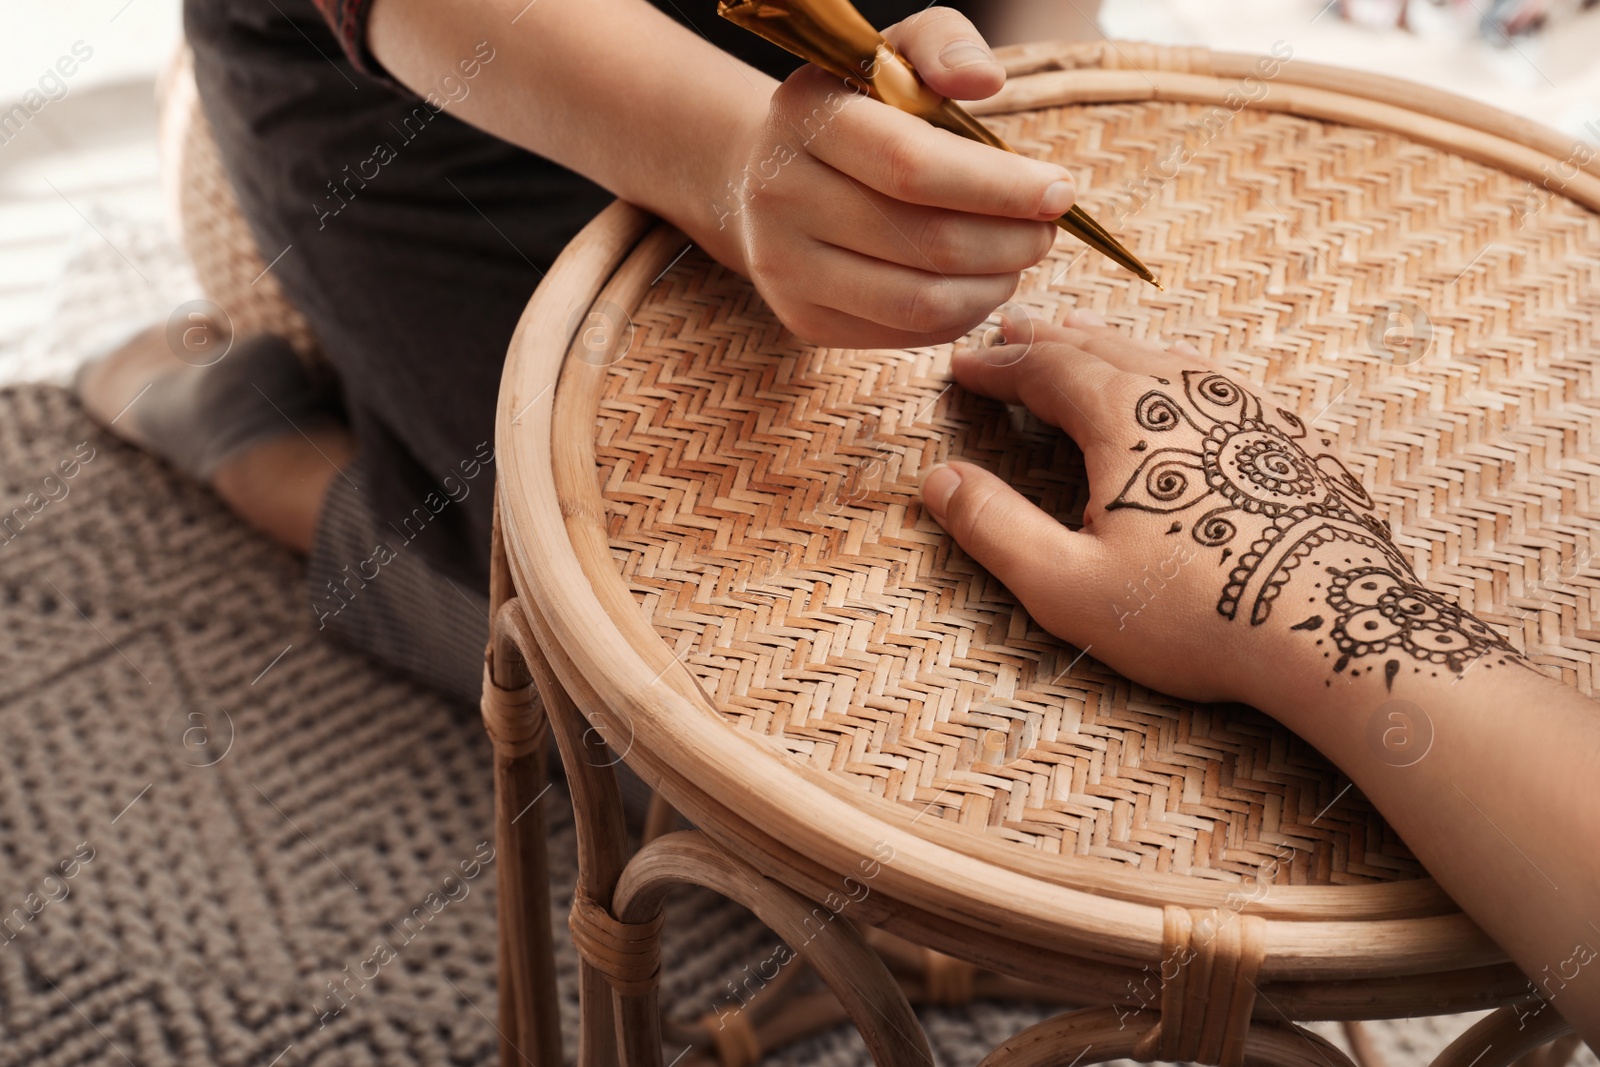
<point>210,820</point>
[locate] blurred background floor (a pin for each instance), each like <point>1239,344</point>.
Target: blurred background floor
<point>78,181</point>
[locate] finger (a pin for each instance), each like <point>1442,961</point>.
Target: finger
<point>1087,330</point>
<point>863,220</point>
<point>906,159</point>
<point>1065,385</point>
<point>903,298</point>
<point>949,53</point>
<point>932,239</point>
<point>1090,322</point>
<point>1050,568</point>
<point>827,328</point>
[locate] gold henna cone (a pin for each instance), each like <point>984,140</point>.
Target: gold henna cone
<point>834,35</point>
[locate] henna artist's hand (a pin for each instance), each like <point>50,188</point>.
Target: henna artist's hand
<point>863,226</point>
<point>1224,550</point>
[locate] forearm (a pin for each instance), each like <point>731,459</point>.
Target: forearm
<point>1490,776</point>
<point>618,92</point>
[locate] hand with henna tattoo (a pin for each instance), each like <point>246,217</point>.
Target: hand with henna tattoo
<point>1282,586</point>
<point>1214,450</point>
<point>1187,463</point>
<point>1288,592</point>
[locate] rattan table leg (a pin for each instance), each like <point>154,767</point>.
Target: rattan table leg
<point>780,1013</point>
<point>530,1023</point>
<point>661,818</point>
<point>598,815</point>
<point>1502,1037</point>
<point>826,941</point>
<point>1096,1035</point>
<point>530,1031</point>
<point>1362,1048</point>
<point>1557,1053</point>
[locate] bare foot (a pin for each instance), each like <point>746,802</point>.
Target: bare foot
<point>276,483</point>
<point>110,386</point>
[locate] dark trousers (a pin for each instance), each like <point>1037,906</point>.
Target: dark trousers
<point>411,241</point>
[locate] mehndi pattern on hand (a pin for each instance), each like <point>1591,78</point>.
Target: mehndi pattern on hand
<point>1253,472</point>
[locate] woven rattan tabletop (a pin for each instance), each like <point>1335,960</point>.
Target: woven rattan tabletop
<point>1426,309</point>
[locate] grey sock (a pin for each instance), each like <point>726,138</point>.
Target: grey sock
<point>198,419</point>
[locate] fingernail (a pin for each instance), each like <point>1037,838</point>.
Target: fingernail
<point>1058,198</point>
<point>962,54</point>
<point>1184,348</point>
<point>1084,317</point>
<point>938,487</point>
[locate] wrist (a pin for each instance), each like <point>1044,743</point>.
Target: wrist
<point>1352,639</point>
<point>710,208</point>
<point>1386,709</point>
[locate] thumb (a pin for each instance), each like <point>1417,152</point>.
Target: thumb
<point>949,53</point>
<point>1047,566</point>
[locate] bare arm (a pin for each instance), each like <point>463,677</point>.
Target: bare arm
<point>616,91</point>
<point>860,225</point>
<point>1502,806</point>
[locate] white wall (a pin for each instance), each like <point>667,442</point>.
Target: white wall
<point>1552,77</point>
<point>128,45</point>
<point>84,256</point>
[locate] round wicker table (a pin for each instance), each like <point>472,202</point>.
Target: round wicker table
<point>711,563</point>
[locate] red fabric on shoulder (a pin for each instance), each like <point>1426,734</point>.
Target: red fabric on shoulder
<point>348,21</point>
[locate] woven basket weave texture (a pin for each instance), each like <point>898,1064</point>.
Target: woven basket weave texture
<point>762,494</point>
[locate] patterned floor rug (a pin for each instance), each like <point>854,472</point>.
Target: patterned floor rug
<point>210,819</point>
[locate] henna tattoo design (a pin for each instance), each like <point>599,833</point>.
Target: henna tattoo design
<point>1248,471</point>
